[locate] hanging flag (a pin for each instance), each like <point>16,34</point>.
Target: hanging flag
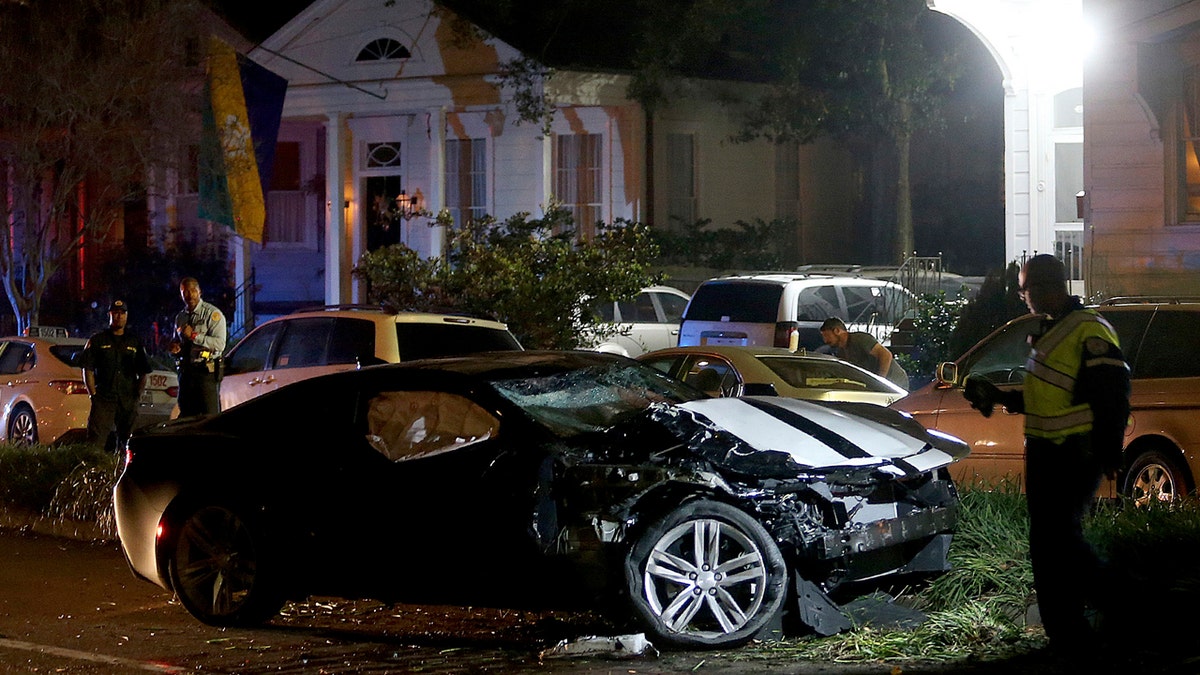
<point>240,127</point>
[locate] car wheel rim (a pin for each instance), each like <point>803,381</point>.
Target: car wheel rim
<point>24,430</point>
<point>1153,483</point>
<point>215,561</point>
<point>705,577</point>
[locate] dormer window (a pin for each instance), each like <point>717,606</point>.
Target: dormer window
<point>383,49</point>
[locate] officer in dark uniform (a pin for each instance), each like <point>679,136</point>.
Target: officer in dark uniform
<point>1076,404</point>
<point>115,366</point>
<point>198,347</point>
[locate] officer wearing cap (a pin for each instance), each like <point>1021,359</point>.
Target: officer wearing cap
<point>115,366</point>
<point>198,347</point>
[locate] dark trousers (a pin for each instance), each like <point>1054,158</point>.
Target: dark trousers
<point>199,392</point>
<point>108,415</point>
<point>1060,483</point>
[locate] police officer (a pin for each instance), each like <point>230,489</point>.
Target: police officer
<point>115,366</point>
<point>198,345</point>
<point>1076,403</point>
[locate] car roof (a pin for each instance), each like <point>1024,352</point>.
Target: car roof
<point>360,311</point>
<point>48,341</point>
<point>785,278</point>
<point>737,349</point>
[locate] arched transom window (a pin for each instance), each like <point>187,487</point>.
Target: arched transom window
<point>383,49</point>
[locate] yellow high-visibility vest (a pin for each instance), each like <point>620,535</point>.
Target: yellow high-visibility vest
<point>1053,365</point>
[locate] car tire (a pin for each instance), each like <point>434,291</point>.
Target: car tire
<point>719,597</point>
<point>22,426</point>
<point>217,569</point>
<point>1154,476</point>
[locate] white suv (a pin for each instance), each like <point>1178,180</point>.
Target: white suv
<point>309,343</point>
<point>786,310</point>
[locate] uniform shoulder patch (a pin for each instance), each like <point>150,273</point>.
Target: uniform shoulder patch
<point>1096,346</point>
<point>216,315</point>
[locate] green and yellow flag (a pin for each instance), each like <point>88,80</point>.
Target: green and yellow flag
<point>241,125</point>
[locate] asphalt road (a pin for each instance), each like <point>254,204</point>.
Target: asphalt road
<point>72,607</point>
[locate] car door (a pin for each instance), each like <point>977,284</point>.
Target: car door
<point>246,374</point>
<point>997,443</point>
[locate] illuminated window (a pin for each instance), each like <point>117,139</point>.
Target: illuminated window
<point>1188,130</point>
<point>577,178</point>
<point>466,178</point>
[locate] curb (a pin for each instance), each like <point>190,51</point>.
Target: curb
<point>16,519</point>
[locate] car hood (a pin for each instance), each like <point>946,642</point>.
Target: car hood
<point>768,436</point>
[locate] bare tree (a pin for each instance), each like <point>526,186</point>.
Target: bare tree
<point>93,93</point>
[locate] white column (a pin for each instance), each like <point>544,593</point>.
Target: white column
<point>336,268</point>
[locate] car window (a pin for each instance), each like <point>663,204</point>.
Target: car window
<point>1002,359</point>
<point>428,340</point>
<point>250,355</point>
<point>304,342</point>
<point>626,311</point>
<point>711,375</point>
<point>605,311</point>
<point>1130,327</point>
<point>352,341</point>
<point>893,303</point>
<point>68,354</point>
<point>405,425</point>
<point>756,303</point>
<point>1173,343</point>
<point>860,304</point>
<point>663,364</point>
<point>643,310</point>
<point>817,303</point>
<point>821,374</point>
<point>672,306</point>
<point>14,357</point>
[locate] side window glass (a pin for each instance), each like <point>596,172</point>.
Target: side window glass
<point>353,341</point>
<point>406,425</point>
<point>14,357</point>
<point>644,309</point>
<point>1130,327</point>
<point>250,355</point>
<point>1174,340</point>
<point>1002,360</point>
<point>818,303</point>
<point>627,312</point>
<point>672,306</point>
<point>304,343</point>
<point>604,310</point>
<point>860,304</point>
<point>710,375</point>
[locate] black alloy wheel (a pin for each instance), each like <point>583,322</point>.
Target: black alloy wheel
<point>217,571</point>
<point>707,575</point>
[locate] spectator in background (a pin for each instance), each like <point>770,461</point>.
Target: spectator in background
<point>198,347</point>
<point>863,350</point>
<point>115,366</point>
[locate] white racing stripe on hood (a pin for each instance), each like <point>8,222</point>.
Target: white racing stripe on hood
<point>761,430</point>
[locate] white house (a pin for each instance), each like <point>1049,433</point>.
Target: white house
<point>384,100</point>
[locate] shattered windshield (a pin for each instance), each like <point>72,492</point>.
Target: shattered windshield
<point>591,399</point>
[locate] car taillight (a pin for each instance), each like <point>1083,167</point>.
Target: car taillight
<point>787,335</point>
<point>69,386</point>
<point>173,392</point>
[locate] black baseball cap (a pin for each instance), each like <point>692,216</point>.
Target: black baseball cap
<point>118,306</point>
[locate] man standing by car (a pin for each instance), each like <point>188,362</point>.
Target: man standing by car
<point>1076,403</point>
<point>198,348</point>
<point>863,350</point>
<point>115,366</point>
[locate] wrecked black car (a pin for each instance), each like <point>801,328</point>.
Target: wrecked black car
<point>535,479</point>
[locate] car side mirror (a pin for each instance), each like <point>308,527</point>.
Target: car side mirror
<point>947,372</point>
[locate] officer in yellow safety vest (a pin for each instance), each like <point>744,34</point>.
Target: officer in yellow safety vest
<point>1076,404</point>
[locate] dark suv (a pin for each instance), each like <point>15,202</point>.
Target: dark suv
<point>1162,442</point>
